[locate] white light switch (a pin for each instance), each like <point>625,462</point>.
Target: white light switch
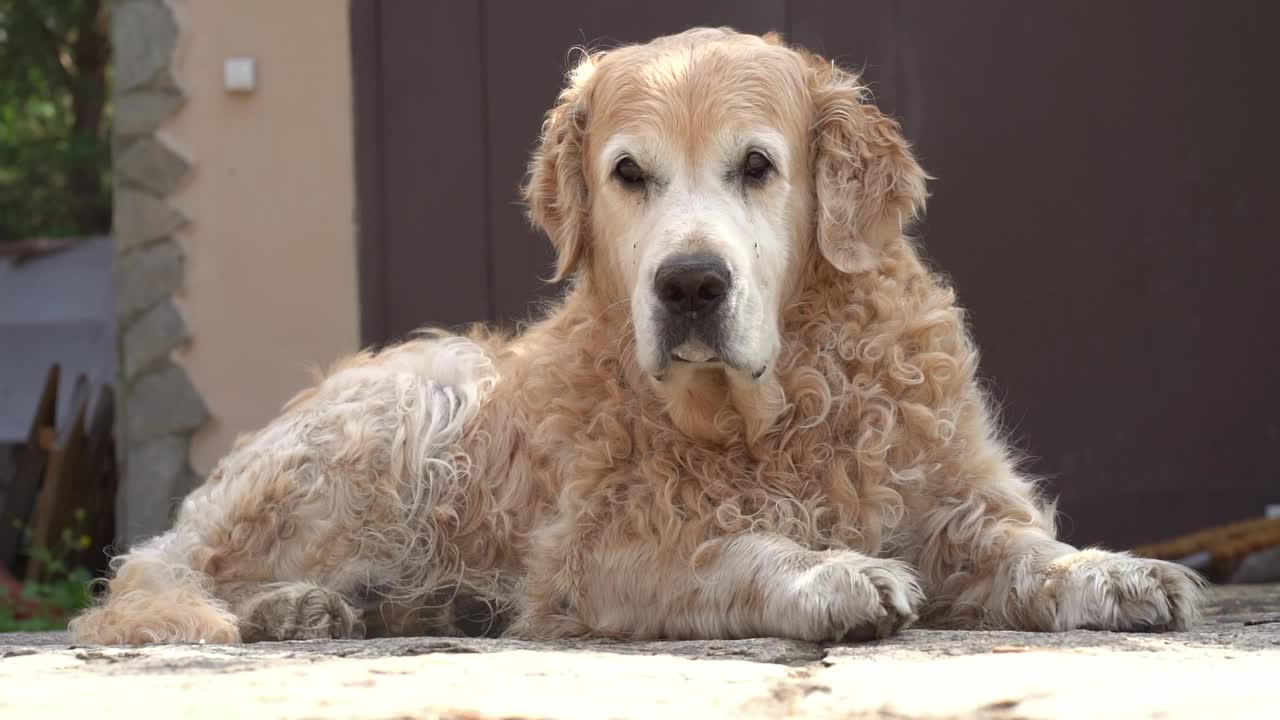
<point>240,75</point>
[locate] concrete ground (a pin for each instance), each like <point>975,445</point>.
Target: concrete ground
<point>1228,666</point>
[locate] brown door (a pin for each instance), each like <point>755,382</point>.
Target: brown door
<point>1104,174</point>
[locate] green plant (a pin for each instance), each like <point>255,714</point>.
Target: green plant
<point>54,118</point>
<point>59,589</point>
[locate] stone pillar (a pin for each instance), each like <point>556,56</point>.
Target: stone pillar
<point>158,405</point>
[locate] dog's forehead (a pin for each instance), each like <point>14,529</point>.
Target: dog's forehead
<point>701,93</point>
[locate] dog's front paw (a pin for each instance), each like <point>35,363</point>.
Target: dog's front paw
<point>299,611</point>
<point>1098,590</point>
<point>851,597</point>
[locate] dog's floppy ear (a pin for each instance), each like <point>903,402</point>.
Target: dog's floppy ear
<point>869,187</point>
<point>556,189</point>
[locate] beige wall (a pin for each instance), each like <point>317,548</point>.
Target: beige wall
<point>270,290</point>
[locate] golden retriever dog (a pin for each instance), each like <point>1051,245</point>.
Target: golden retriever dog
<point>754,412</point>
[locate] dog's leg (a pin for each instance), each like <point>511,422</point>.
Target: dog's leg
<point>743,586</point>
<point>357,484</point>
<point>155,596</point>
<point>294,611</point>
<point>989,559</point>
<point>805,594</point>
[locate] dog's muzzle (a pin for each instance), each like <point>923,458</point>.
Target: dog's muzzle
<point>691,291</point>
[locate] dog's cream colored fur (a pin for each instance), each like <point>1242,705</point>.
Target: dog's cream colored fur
<point>836,476</point>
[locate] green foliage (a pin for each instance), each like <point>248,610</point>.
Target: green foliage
<point>57,598</point>
<point>61,588</point>
<point>54,146</point>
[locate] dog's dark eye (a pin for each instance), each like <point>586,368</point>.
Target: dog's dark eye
<point>756,167</point>
<point>629,173</point>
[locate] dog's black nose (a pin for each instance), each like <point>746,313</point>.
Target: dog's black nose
<point>692,284</point>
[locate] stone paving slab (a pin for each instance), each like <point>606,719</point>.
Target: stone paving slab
<point>1228,666</point>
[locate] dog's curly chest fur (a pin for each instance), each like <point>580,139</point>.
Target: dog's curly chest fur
<point>867,400</point>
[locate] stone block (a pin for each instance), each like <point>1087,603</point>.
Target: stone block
<point>163,402</point>
<point>143,37</point>
<point>154,165</point>
<point>141,218</point>
<point>154,472</point>
<point>147,276</point>
<point>139,113</point>
<point>151,338</point>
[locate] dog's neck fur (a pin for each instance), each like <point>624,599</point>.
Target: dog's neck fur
<point>724,405</point>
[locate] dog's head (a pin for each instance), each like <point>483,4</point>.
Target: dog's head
<point>695,176</point>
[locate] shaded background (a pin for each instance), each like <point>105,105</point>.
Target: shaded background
<point>1105,178</point>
